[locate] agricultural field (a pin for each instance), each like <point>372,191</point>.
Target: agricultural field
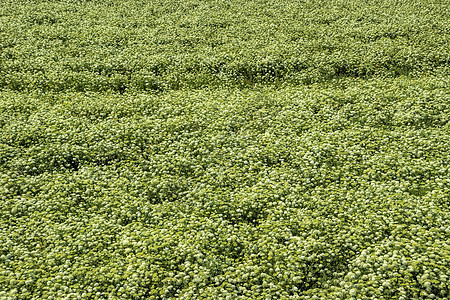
<point>224,149</point>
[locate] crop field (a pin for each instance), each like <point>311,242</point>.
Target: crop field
<point>225,149</point>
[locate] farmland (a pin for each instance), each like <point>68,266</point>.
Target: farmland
<point>224,149</point>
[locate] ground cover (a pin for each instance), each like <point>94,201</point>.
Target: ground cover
<point>224,149</point>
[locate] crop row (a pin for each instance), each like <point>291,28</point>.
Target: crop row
<point>321,191</point>
<point>160,45</point>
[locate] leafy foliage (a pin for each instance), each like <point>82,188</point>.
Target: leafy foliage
<point>224,150</point>
<point>159,45</point>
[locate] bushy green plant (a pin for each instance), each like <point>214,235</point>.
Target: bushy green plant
<point>159,45</point>
<point>224,150</point>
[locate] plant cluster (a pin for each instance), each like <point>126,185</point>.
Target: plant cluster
<point>160,45</point>
<point>224,149</point>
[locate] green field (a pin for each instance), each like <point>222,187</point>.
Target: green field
<point>225,149</point>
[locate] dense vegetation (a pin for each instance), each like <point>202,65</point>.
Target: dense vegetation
<point>224,149</point>
<point>172,44</point>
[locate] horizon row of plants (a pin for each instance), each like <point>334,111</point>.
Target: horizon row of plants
<point>162,45</point>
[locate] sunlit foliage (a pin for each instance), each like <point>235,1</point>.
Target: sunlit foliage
<point>224,149</point>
